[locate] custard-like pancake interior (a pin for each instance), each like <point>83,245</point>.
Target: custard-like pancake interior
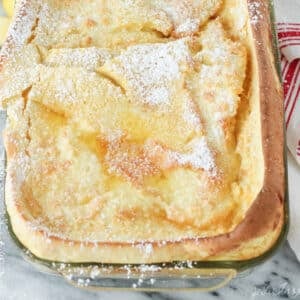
<point>125,119</point>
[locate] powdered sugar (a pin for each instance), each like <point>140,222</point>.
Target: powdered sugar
<point>197,156</point>
<point>255,12</point>
<point>23,23</point>
<point>149,268</point>
<point>149,71</point>
<point>151,74</point>
<point>2,209</point>
<point>190,115</point>
<point>200,156</point>
<point>88,58</point>
<point>21,30</point>
<point>190,25</point>
<point>146,248</point>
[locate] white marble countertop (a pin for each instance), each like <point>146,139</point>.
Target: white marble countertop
<point>277,278</point>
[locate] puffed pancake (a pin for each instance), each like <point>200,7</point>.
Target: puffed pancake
<point>143,131</point>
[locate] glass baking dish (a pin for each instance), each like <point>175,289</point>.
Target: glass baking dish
<point>189,275</point>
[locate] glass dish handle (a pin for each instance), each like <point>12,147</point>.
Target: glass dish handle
<point>99,278</point>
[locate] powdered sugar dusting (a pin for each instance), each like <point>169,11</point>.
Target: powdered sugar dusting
<point>20,169</point>
<point>151,70</point>
<point>190,115</point>
<point>255,12</point>
<point>88,58</point>
<point>2,209</point>
<point>146,248</point>
<point>190,25</point>
<point>151,74</point>
<point>21,30</point>
<point>197,156</point>
<point>200,156</point>
<point>188,15</point>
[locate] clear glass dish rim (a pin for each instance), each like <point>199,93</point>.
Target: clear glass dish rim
<point>237,265</point>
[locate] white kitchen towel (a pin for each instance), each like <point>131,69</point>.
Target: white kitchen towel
<point>288,29</point>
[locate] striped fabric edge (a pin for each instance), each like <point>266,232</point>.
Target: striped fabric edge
<point>291,86</point>
<point>289,36</point>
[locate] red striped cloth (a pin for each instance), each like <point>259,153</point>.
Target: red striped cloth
<point>289,45</point>
<point>288,28</point>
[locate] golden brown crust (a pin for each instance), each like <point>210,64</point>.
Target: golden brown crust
<point>264,218</point>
